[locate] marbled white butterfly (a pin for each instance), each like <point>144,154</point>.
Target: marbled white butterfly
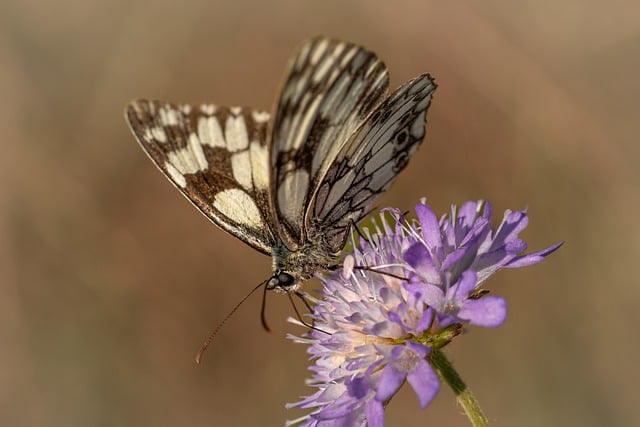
<point>293,187</point>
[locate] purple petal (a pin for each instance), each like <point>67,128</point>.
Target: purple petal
<point>486,211</point>
<point>418,257</point>
<point>395,318</point>
<point>454,257</point>
<point>444,321</point>
<point>415,287</point>
<point>342,407</point>
<point>433,296</point>
<point>467,214</point>
<point>479,231</point>
<point>420,349</point>
<point>512,224</point>
<point>533,258</point>
<point>429,225</point>
<point>425,321</point>
<point>359,387</point>
<point>387,329</point>
<point>374,413</point>
<point>462,289</point>
<point>461,259</point>
<point>424,382</point>
<point>515,246</point>
<point>488,263</point>
<point>390,381</point>
<point>489,311</point>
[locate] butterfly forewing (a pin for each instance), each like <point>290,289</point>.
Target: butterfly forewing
<point>368,163</point>
<point>217,157</point>
<point>330,88</point>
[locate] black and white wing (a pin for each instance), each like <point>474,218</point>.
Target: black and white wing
<point>217,157</point>
<point>367,164</point>
<point>330,88</point>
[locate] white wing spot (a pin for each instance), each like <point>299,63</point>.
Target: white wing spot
<point>259,165</point>
<point>175,175</point>
<point>292,194</point>
<point>305,124</point>
<point>348,56</point>
<point>184,161</point>
<point>208,109</point>
<point>168,116</point>
<point>236,111</point>
<point>159,134</point>
<point>240,207</point>
<point>260,116</point>
<point>241,168</point>
<point>198,154</point>
<point>147,135</point>
<point>236,133</point>
<point>318,51</point>
<point>323,68</point>
<point>210,132</point>
<point>186,108</point>
<point>302,56</point>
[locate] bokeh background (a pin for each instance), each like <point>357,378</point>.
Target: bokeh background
<point>110,279</point>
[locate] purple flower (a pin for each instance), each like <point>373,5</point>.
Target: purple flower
<point>402,292</point>
<point>454,256</point>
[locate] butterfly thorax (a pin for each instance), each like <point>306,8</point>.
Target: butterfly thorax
<point>291,268</point>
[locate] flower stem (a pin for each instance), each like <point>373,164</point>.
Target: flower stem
<point>465,398</point>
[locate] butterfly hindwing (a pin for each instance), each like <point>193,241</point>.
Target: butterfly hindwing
<point>217,157</point>
<point>331,86</point>
<point>368,163</point>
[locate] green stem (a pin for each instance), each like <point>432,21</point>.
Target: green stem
<point>469,404</point>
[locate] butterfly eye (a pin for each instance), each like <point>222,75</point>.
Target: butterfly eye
<point>285,279</point>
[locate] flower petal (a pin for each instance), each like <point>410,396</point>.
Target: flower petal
<point>418,257</point>
<point>424,382</point>
<point>433,296</point>
<point>425,321</point>
<point>533,258</point>
<point>390,381</point>
<point>489,311</point>
<point>461,290</point>
<point>467,214</point>
<point>512,224</point>
<point>374,413</point>
<point>429,225</point>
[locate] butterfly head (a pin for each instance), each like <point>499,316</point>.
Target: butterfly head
<point>281,281</point>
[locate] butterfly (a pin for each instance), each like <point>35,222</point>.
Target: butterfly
<point>292,187</point>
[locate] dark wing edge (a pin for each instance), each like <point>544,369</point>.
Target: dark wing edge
<point>217,158</point>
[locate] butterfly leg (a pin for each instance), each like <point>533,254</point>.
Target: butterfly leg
<point>306,303</point>
<point>374,270</point>
<point>355,226</point>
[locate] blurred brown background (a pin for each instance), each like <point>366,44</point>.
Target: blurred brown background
<point>110,279</point>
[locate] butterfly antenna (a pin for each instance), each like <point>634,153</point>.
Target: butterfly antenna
<point>263,318</point>
<point>213,334</point>
<point>306,303</point>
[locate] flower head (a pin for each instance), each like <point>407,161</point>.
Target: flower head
<point>403,292</point>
